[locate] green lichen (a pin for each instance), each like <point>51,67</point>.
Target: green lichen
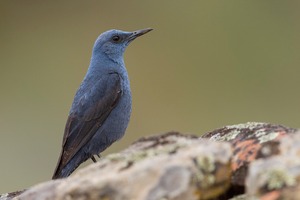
<point>244,197</point>
<point>248,125</point>
<point>203,180</point>
<point>278,178</point>
<point>115,157</point>
<point>137,156</point>
<point>235,130</point>
<point>206,163</point>
<point>161,150</point>
<point>204,175</point>
<point>209,180</point>
<point>231,135</point>
<point>129,159</point>
<point>263,136</point>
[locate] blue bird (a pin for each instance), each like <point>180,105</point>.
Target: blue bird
<point>101,107</point>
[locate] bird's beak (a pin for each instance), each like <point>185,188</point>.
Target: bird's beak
<point>138,33</point>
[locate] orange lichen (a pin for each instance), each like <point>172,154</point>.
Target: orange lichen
<point>246,151</point>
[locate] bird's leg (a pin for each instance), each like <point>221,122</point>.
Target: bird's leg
<point>93,159</point>
<point>99,156</point>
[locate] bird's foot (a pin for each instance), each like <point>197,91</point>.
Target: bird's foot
<point>93,159</point>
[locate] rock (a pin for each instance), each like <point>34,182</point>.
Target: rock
<point>170,166</point>
<point>10,195</point>
<point>259,158</point>
<point>243,197</point>
<point>250,141</point>
<point>279,176</point>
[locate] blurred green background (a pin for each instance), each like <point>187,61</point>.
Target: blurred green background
<point>207,64</point>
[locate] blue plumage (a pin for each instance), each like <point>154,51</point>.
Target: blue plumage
<point>101,108</point>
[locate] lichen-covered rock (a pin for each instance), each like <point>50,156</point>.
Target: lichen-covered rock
<point>279,176</point>
<point>273,174</point>
<point>174,166</point>
<point>250,141</point>
<point>10,195</point>
<point>243,197</point>
<point>170,166</point>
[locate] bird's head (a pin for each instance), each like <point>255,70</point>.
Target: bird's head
<point>113,43</point>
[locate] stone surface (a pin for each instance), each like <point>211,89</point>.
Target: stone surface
<point>250,141</point>
<point>174,166</point>
<point>170,166</point>
<point>277,177</point>
<point>10,195</point>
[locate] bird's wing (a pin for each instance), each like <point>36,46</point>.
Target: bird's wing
<point>88,113</point>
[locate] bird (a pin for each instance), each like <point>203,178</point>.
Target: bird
<point>101,108</point>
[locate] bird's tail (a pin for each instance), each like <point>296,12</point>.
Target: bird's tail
<point>64,170</point>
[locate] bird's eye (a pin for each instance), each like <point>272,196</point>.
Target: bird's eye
<point>116,38</point>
